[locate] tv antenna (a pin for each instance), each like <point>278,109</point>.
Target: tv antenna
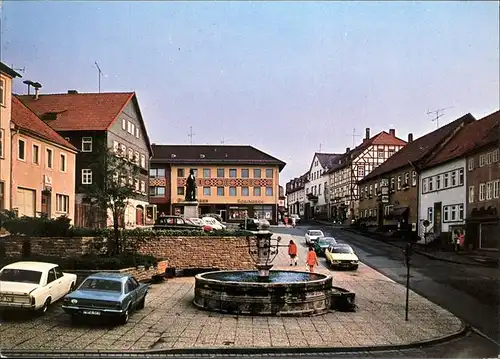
<point>99,74</point>
<point>438,114</point>
<point>191,134</point>
<point>354,135</point>
<point>23,70</point>
<point>319,148</point>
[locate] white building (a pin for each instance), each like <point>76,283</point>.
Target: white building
<point>317,190</point>
<point>442,198</point>
<point>295,195</point>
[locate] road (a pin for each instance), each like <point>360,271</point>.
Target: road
<point>470,293</point>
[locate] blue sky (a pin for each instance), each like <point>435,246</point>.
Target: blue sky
<point>282,76</point>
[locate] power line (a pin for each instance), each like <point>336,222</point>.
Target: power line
<point>438,114</point>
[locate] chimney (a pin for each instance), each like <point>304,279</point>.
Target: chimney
<point>347,150</point>
<point>392,132</point>
<point>72,92</point>
<point>410,137</point>
<point>367,133</point>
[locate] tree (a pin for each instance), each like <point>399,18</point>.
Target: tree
<point>114,183</point>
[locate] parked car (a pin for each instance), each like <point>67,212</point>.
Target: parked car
<point>103,294</point>
<point>254,224</point>
<point>212,222</point>
<point>312,236</point>
<point>342,256</point>
<point>33,285</point>
<point>216,216</point>
<point>175,223</point>
<point>199,222</point>
<point>322,244</point>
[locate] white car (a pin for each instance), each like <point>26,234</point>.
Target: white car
<point>313,235</point>
<point>212,222</point>
<point>33,285</point>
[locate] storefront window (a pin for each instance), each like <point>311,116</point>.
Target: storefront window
<point>237,213</point>
<point>263,212</point>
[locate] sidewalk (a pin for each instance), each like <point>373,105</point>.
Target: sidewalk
<point>466,258</point>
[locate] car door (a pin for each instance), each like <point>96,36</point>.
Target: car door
<point>60,282</point>
<point>131,292</point>
<point>52,286</point>
<point>139,293</point>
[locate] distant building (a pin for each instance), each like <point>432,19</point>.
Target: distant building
<point>296,195</point>
<point>232,181</point>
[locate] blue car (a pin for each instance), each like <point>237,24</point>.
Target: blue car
<point>106,295</point>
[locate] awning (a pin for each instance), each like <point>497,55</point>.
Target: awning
<point>399,211</point>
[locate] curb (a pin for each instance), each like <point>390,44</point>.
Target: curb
<point>425,254</point>
<point>465,330</point>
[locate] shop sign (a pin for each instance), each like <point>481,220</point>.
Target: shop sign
<point>385,198</point>
<point>180,199</point>
<point>250,201</point>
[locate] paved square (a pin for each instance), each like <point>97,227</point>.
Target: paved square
<point>171,321</point>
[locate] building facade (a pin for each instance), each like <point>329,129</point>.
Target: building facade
<point>352,166</point>
<point>97,123</point>
<point>296,194</point>
<point>232,181</point>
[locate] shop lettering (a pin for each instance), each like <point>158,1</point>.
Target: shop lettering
<point>250,201</point>
<point>199,200</point>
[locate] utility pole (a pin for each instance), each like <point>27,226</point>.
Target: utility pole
<point>191,134</point>
<point>438,114</point>
<point>99,75</point>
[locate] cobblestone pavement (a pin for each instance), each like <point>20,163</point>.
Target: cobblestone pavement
<point>171,321</point>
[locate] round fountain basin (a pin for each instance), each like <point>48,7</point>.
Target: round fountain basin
<point>283,293</point>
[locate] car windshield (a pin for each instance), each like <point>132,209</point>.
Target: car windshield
<point>20,276</point>
<point>316,233</point>
<point>102,284</point>
<point>327,241</point>
<point>342,249</point>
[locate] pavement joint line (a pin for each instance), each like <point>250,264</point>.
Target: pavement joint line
<point>464,331</point>
<point>480,333</point>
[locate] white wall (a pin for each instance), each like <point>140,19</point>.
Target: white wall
<point>316,178</point>
<point>455,195</point>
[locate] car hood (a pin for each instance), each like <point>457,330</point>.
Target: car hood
<point>344,256</point>
<point>94,294</point>
<point>17,288</point>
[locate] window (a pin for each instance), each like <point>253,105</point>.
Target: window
<point>180,172</point>
<point>414,178</point>
<point>86,144</point>
<point>156,172</point>
<point>116,146</point>
<point>35,155</point>
<point>195,171</point>
<point>137,185</point>
<point>371,191</point>
<point>482,160</point>
<point>388,209</point>
<point>123,150</point>
<point>453,211</point>
<point>143,187</point>
<point>361,171</point>
<point>206,173</point>
<point>232,173</point>
<point>86,176</point>
<point>207,191</point>
<point>489,158</point>
<point>137,132</point>
<point>496,193</point>
<point>438,182</point>
<point>156,191</point>
<point>380,153</point>
<point>137,160</point>
<point>470,164</point>
<point>431,183</point>
<point>143,161</point>
<point>430,214</point>
<point>220,191</point>
<point>496,155</point>
<point>407,178</point>
<point>220,173</point>
<point>244,191</point>
<point>62,162</point>
<point>180,191</point>
<point>460,212</point>
<point>2,92</point>
<point>129,127</point>
<point>1,142</point>
<point>269,191</point>
<point>391,152</point>
<point>446,182</point>
<point>471,194</point>
<point>461,177</point>
<point>319,189</point>
<point>453,179</point>
<point>62,203</point>
<point>124,124</point>
<point>392,183</point>
<point>245,173</point>
<point>446,212</point>
<point>399,183</point>
<point>51,277</point>
<point>257,192</point>
<point>48,157</point>
<point>269,173</point>
<point>130,154</point>
<point>256,173</point>
<point>489,190</point>
<point>232,191</point>
<point>482,191</point>
<point>21,150</point>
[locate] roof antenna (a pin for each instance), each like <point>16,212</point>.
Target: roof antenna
<point>438,113</point>
<point>23,70</point>
<point>354,135</point>
<point>191,134</point>
<point>100,74</point>
<point>320,148</point>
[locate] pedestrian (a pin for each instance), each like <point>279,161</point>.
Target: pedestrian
<point>292,252</point>
<point>293,221</point>
<point>312,259</point>
<point>286,221</point>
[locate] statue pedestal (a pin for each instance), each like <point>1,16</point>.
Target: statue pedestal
<point>190,209</point>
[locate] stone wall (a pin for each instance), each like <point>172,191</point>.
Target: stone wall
<point>180,252</point>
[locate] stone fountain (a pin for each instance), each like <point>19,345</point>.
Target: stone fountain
<point>264,291</point>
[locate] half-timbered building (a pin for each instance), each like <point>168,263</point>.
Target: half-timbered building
<point>352,166</point>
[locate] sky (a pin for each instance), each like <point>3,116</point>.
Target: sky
<point>289,78</point>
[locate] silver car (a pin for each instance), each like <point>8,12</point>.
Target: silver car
<point>313,235</point>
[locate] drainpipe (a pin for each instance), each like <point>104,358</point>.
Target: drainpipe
<point>11,191</point>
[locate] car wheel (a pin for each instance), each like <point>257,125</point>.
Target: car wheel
<point>125,317</point>
<point>74,319</point>
<point>45,306</point>
<point>72,287</point>
<point>355,267</point>
<point>142,303</point>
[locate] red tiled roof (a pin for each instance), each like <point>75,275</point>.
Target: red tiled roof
<point>25,119</point>
<point>472,136</point>
<point>419,149</point>
<point>79,111</point>
<point>382,138</point>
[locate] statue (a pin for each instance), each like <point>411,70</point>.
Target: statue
<point>191,187</point>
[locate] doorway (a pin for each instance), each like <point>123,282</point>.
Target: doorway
<point>437,217</point>
<point>139,216</point>
<point>45,203</point>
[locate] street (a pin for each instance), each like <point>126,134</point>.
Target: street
<point>471,293</point>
